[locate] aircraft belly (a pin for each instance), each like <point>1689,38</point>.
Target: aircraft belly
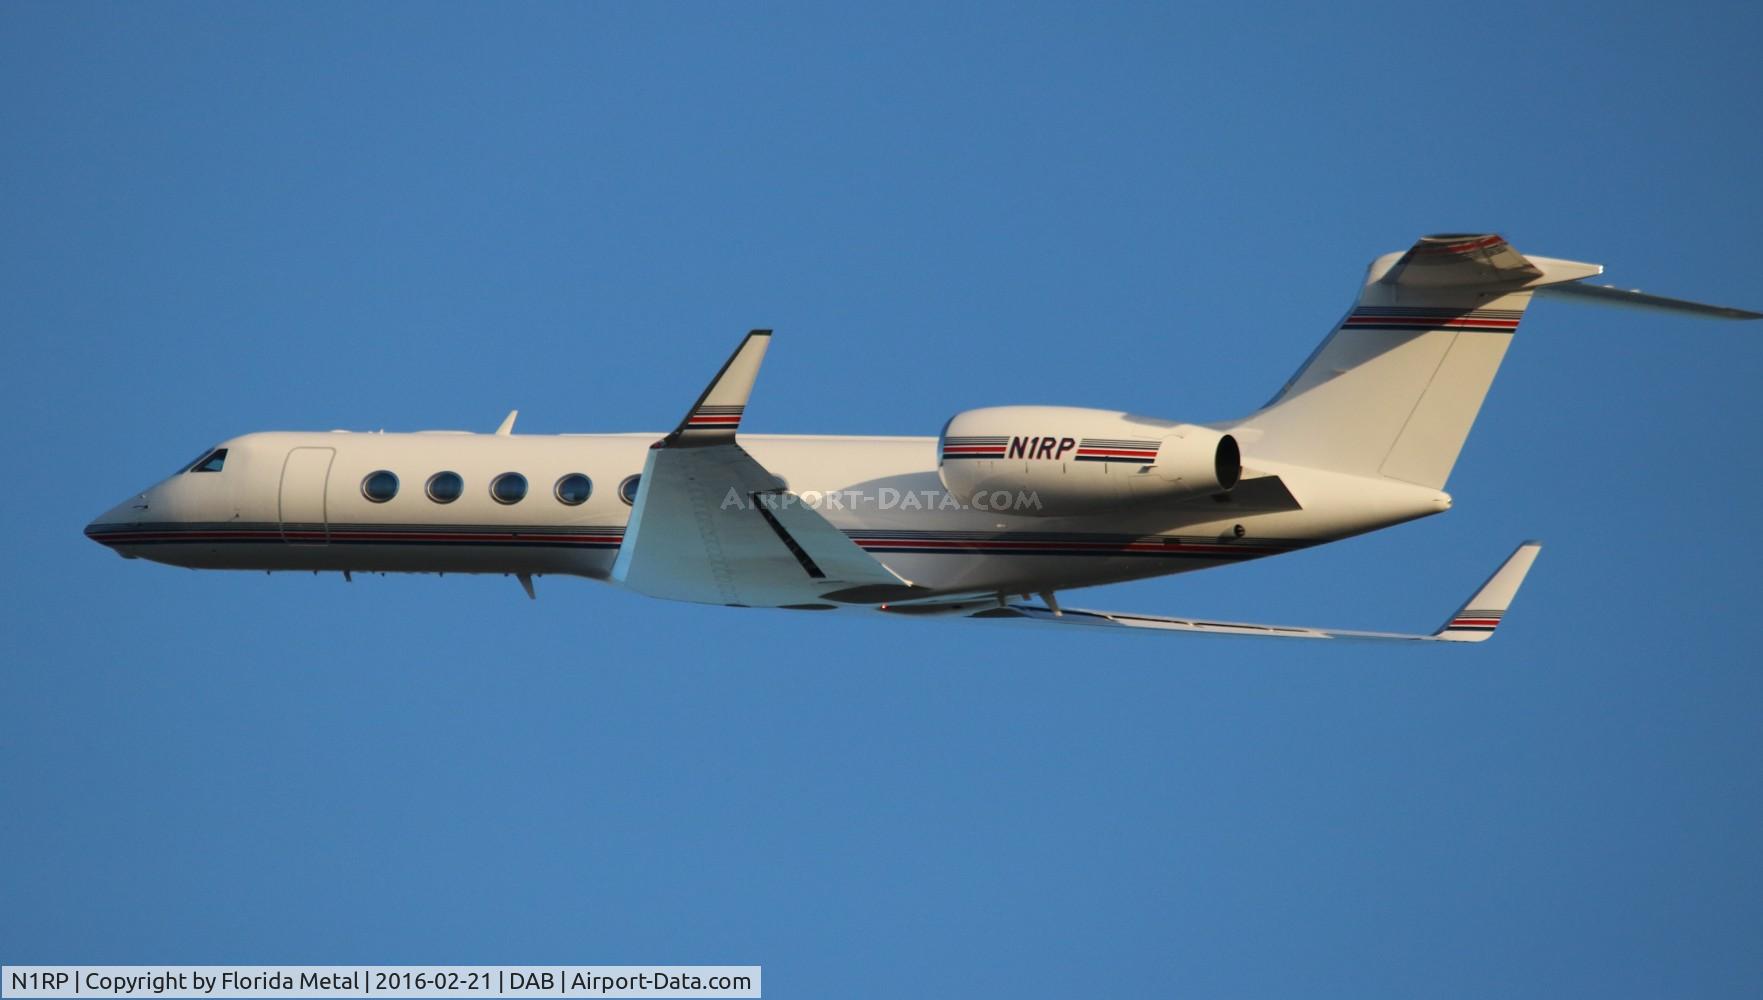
<point>947,573</point>
<point>281,556</point>
<point>580,551</point>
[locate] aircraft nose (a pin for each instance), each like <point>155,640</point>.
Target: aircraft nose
<point>103,528</point>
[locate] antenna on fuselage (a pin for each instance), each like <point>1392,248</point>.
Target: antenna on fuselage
<point>507,427</point>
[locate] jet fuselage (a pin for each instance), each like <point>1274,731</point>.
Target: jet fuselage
<point>300,501</point>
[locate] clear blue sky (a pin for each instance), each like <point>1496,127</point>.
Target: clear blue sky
<point>224,218</point>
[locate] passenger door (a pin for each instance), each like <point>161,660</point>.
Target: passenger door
<point>305,475</point>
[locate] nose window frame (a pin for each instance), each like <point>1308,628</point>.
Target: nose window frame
<point>214,461</point>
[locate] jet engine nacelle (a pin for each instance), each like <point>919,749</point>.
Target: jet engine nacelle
<point>1051,461</point>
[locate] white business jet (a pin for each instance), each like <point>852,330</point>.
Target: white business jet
<point>1009,503</point>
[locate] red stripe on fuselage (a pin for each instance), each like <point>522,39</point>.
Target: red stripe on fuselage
<point>1102,548</point>
<point>346,535</point>
<point>1125,452</point>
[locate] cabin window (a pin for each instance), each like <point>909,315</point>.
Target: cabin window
<point>445,487</point>
<point>627,490</point>
<point>214,461</point>
<point>574,489</point>
<point>508,488</point>
<point>380,486</point>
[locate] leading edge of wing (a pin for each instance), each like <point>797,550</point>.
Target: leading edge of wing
<point>1475,621</point>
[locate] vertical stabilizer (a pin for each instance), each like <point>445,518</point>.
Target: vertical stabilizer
<point>1394,389</point>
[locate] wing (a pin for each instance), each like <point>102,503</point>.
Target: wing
<point>1475,621</point>
<point>710,524</point>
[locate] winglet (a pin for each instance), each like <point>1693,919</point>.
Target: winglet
<point>507,425</point>
<point>1476,620</point>
<point>716,416</point>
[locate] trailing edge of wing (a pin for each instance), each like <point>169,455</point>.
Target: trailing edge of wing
<point>1474,622</point>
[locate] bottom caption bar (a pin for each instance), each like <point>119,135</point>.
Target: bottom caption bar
<point>530,981</point>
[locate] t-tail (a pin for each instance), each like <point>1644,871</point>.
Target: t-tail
<point>1393,391</point>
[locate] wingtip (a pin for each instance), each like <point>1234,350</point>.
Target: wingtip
<point>1477,619</point>
<point>716,417</point>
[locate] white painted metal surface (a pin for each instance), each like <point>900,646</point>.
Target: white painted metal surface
<point>1007,502</point>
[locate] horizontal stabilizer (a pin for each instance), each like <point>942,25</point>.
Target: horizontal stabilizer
<point>1453,260</point>
<point>1628,298</point>
<point>1460,262</point>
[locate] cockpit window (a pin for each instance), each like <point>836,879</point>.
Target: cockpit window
<point>214,461</point>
